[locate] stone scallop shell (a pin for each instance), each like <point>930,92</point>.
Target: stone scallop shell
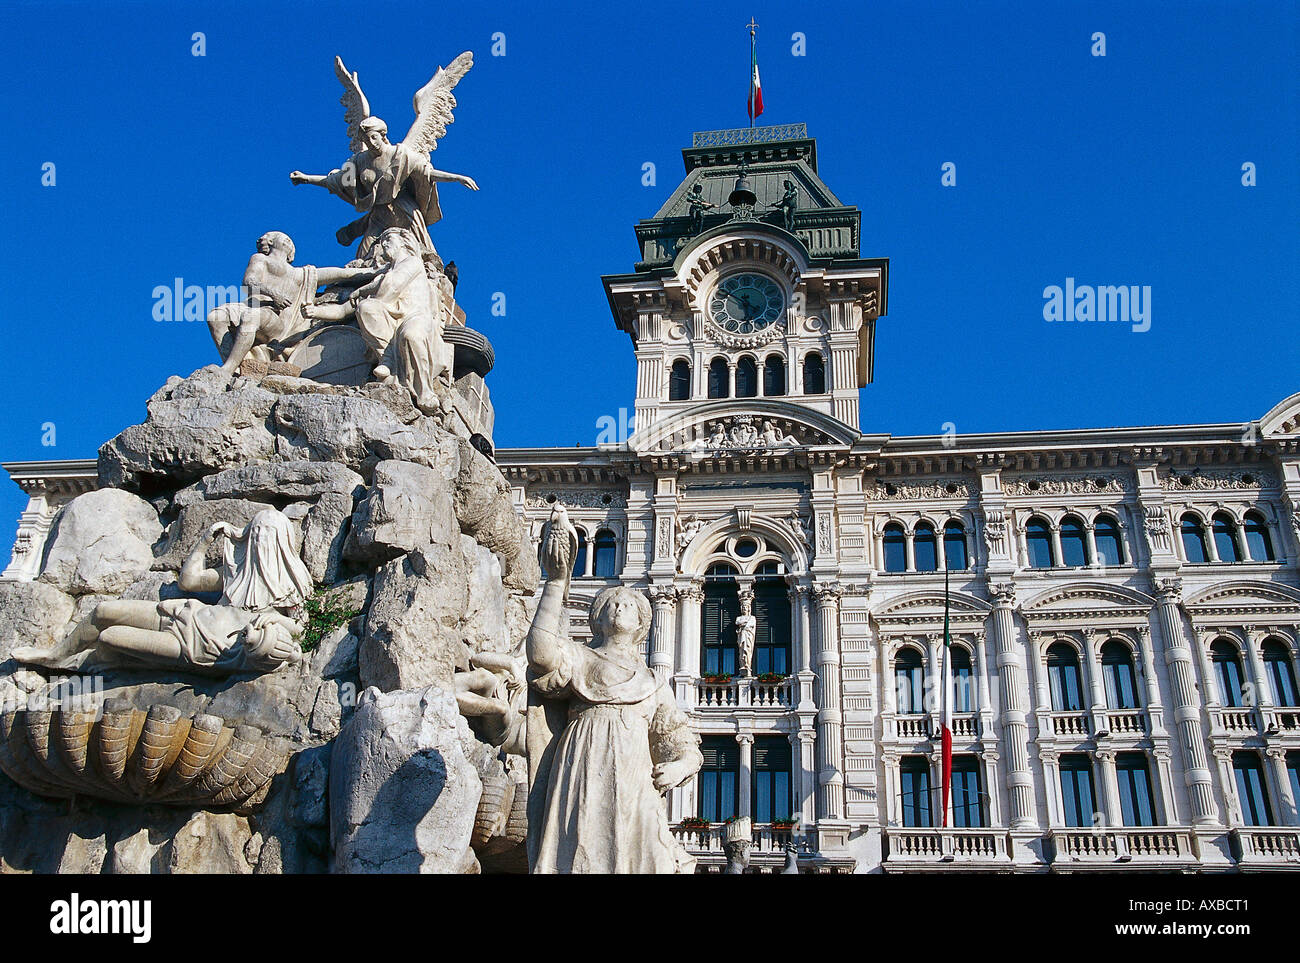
<point>148,758</point>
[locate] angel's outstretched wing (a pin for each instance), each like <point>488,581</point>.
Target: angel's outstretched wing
<point>433,105</point>
<point>355,107</point>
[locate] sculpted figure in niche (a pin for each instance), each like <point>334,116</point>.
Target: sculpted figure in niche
<point>253,628</point>
<point>772,437</point>
<point>698,205</point>
<point>279,296</point>
<point>393,185</point>
<point>605,739</point>
<point>788,204</point>
<point>746,629</point>
<point>399,313</point>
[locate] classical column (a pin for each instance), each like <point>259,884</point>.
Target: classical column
<point>1164,786</point>
<point>1101,725</point>
<point>830,794</point>
<point>1155,710</point>
<point>1259,675</point>
<point>1051,761</point>
<point>1187,707</point>
<point>663,601</point>
<point>1015,731</point>
<point>807,762</point>
<point>687,668</point>
<point>892,788</point>
<point>1090,537</point>
<point>745,778</point>
<point>1109,786</point>
<point>1286,808</point>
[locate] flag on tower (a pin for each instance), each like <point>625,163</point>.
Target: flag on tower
<point>946,730</point>
<point>755,85</point>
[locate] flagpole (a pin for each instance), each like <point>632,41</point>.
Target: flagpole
<point>752,59</point>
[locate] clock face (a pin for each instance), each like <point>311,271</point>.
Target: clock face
<point>746,303</point>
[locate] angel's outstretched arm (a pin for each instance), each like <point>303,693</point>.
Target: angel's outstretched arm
<point>443,176</point>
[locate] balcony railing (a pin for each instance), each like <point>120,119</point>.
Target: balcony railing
<point>1114,846</point>
<point>918,849</point>
<point>1126,722</point>
<point>1282,720</point>
<point>766,840</point>
<point>745,693</point>
<point>1070,724</point>
<point>918,727</point>
<point>1235,720</point>
<point>915,727</point>
<point>1266,846</point>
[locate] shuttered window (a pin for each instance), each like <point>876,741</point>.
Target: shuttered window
<point>771,762</point>
<point>718,629</point>
<point>772,638</point>
<point>717,778</point>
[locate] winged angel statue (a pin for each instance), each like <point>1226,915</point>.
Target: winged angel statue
<point>393,185</point>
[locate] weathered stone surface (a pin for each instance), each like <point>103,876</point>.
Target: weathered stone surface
<point>32,613</point>
<point>408,506</point>
<point>274,483</point>
<point>101,541</point>
<point>209,843</point>
<point>356,432</point>
<point>324,533</point>
<point>484,624</point>
<point>154,587</point>
<point>193,522</point>
<point>198,425</point>
<point>485,511</point>
<point>403,796</point>
<point>411,639</point>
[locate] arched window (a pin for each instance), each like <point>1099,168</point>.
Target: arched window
<point>1038,538</point>
<point>963,679</point>
<point>1225,538</point>
<point>1280,672</point>
<point>719,378</point>
<point>1134,777</point>
<point>909,681</point>
<point>1227,667</point>
<point>1119,675</point>
<point>1110,547</point>
<point>746,378</point>
<point>1078,798</point>
<point>774,375</point>
<point>1193,533</point>
<point>925,548</point>
<point>954,545</point>
<point>679,381</point>
<point>606,554</point>
<point>895,543</point>
<point>1063,678</point>
<point>1258,541</point>
<point>814,374</point>
<point>1251,791</point>
<point>718,614</point>
<point>1074,549</point>
<point>580,560</point>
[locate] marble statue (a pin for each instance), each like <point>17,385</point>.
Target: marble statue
<point>746,629</point>
<point>736,843</point>
<point>494,691</point>
<point>686,531</point>
<point>559,540</point>
<point>253,628</point>
<point>605,739</point>
<point>771,437</point>
<point>788,204</point>
<point>698,205</point>
<point>279,295</point>
<point>393,185</point>
<point>399,313</point>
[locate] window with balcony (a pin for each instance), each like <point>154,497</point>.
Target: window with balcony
<point>606,554</point>
<point>1252,795</point>
<point>1119,675</point>
<point>1280,672</point>
<point>968,808</point>
<point>914,783</point>
<point>1192,530</point>
<point>909,681</point>
<point>746,378</point>
<point>718,620</point>
<point>954,546</point>
<point>814,374</point>
<point>580,559</point>
<point>925,550</point>
<point>679,381</point>
<point>774,375</point>
<point>719,378</point>
<point>963,679</point>
<point>772,794</point>
<point>1074,547</point>
<point>1110,547</point>
<point>1135,798</point>
<point>718,778</point>
<point>1258,541</point>
<point>1227,669</point>
<point>1063,678</point>
<point>895,545</point>
<point>1038,539</point>
<point>1078,801</point>
<point>773,621</point>
<point>1225,537</point>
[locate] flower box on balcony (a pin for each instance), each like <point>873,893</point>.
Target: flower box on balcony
<point>771,678</point>
<point>716,679</point>
<point>694,822</point>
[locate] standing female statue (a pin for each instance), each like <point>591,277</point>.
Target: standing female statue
<point>251,629</point>
<point>605,739</point>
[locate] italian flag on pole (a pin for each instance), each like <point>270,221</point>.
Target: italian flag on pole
<point>946,730</point>
<point>755,86</point>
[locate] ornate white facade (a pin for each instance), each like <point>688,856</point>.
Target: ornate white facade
<point>769,478</point>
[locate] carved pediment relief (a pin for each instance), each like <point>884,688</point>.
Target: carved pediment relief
<point>761,427</point>
<point>1245,598</point>
<point>1087,600</point>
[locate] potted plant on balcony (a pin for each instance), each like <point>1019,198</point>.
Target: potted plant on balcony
<point>771,678</point>
<point>788,823</point>
<point>694,823</point>
<point>716,679</point>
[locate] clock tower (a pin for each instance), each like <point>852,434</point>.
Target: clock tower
<point>751,312</point>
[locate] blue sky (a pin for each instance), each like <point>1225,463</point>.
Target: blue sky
<point>1117,170</point>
